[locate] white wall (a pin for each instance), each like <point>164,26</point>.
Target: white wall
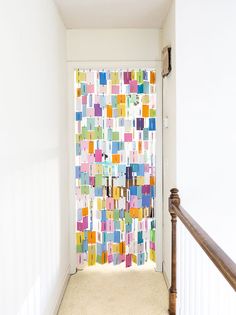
<point>206,111</point>
<point>33,180</point>
<point>113,44</point>
<point>169,137</point>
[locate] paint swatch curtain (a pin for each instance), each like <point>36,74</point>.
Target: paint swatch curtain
<point>115,125</point>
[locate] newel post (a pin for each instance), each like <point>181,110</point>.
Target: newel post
<point>173,200</point>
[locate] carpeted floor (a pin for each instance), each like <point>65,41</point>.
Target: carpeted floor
<point>116,290</point>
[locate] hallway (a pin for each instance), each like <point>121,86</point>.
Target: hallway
<point>116,290</point>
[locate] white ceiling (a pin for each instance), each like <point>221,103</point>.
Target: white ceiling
<point>113,13</point>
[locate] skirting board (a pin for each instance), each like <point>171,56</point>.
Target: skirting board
<point>165,276</point>
<point>63,289</point>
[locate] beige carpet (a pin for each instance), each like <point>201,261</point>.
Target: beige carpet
<point>116,290</point>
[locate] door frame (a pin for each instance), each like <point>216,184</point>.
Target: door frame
<point>99,65</point>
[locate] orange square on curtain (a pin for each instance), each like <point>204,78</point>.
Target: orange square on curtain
<point>152,77</point>
<point>122,248</point>
<point>84,212</point>
<point>91,147</point>
<point>152,180</point>
<point>109,111</point>
<point>121,98</point>
<point>78,92</point>
<point>140,147</point>
<point>145,111</point>
<point>91,237</point>
<point>104,257</point>
<point>115,158</point>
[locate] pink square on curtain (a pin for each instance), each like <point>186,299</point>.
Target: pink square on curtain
<point>103,227</point>
<point>92,180</point>
<point>109,248</point>
<point>128,260</point>
<point>146,145</point>
<point>103,88</point>
<point>84,167</point>
<point>80,226</point>
<point>115,89</point>
<point>140,248</point>
<point>109,258</point>
<point>90,88</point>
<point>109,123</point>
<point>110,225</point>
<point>133,157</point>
<point>91,158</point>
<point>84,99</point>
<point>128,137</point>
<point>146,168</point>
<point>84,144</point>
<point>110,203</point>
<point>133,86</point>
<point>152,245</point>
<point>85,222</point>
<point>90,111</point>
<point>134,202</point>
<point>98,155</point>
<point>122,257</point>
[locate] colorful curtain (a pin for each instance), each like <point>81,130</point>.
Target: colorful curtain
<point>115,126</point>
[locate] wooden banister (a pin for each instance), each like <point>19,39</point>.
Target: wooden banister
<point>222,261</point>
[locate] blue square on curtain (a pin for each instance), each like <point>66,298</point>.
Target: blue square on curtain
<point>139,191</point>
<point>141,259</point>
<point>152,124</point>
<point>153,191</point>
<point>145,75</point>
<point>98,191</point>
<point>121,168</point>
<point>99,249</point>
<point>115,147</point>
<point>79,215</point>
<point>140,88</point>
<point>146,201</point>
<point>78,149</point>
<point>77,172</point>
<point>78,116</point>
<point>140,237</point>
<point>117,237</point>
<point>153,224</point>
<point>85,246</point>
<point>86,234</point>
<point>117,225</point>
<point>140,171</point>
<point>110,237</point>
<point>104,237</point>
<point>104,216</point>
<point>128,228</point>
<point>133,190</point>
<point>146,87</point>
<point>103,78</point>
<point>122,213</point>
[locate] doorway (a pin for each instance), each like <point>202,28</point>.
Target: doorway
<point>117,166</point>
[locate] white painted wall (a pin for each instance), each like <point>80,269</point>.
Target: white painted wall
<point>113,44</point>
<point>206,111</point>
<point>33,163</point>
<point>169,138</point>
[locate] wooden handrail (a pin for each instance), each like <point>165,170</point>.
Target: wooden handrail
<point>222,261</point>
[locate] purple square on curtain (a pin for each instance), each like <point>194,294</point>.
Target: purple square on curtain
<point>139,123</point>
<point>146,189</point>
<point>98,110</point>
<point>127,77</point>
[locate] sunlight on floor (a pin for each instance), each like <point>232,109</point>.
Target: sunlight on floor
<point>116,290</point>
